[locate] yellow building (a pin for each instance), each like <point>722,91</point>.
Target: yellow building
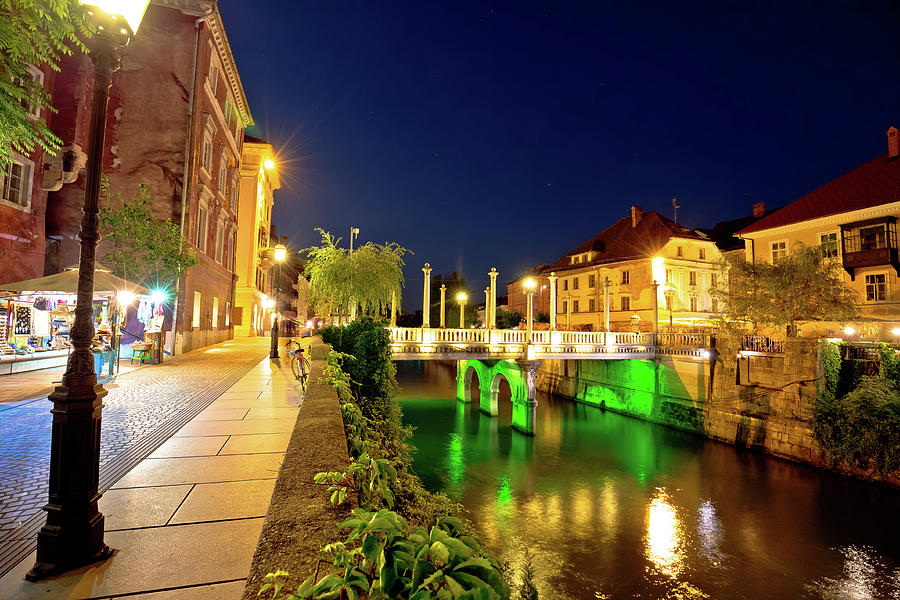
<point>854,220</point>
<point>632,254</point>
<point>259,180</point>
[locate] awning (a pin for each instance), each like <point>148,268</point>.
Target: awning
<point>67,283</point>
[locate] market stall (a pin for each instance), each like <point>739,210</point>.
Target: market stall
<point>36,316</point>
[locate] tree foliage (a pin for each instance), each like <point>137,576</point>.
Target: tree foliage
<point>456,284</point>
<point>145,249</point>
<point>371,276</point>
<point>32,32</point>
<point>804,286</point>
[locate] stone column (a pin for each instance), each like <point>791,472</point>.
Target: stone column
<point>530,317</point>
<point>394,308</point>
<point>487,305</point>
<point>493,308</point>
<point>655,311</point>
<point>462,313</point>
<point>606,302</point>
<point>443,305</point>
<point>426,296</point>
<point>552,279</point>
<point>569,311</point>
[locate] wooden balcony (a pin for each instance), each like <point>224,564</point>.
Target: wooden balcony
<point>870,244</point>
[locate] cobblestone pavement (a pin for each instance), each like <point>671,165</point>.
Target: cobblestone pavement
<point>142,410</point>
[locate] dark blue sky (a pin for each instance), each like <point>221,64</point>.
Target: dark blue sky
<point>482,134</point>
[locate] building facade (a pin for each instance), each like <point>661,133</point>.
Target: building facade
<point>23,199</point>
<point>253,261</point>
<point>636,255</point>
<point>175,123</point>
<point>853,219</point>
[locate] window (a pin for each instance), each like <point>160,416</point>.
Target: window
<point>692,278</point>
<point>215,314</point>
<point>668,302</point>
<point>592,305</point>
<point>592,280</point>
<point>575,306</point>
<point>233,196</point>
<point>669,276</point>
<point>227,314</point>
<point>626,277</point>
<point>576,260</point>
<point>206,152</point>
<point>872,238</point>
<point>626,302</point>
<point>876,288</point>
<point>223,172</point>
<point>829,245</point>
<point>565,284</point>
<point>715,306</point>
<point>565,306</point>
<point>574,283</point>
<point>220,241</point>
<point>779,252</point>
<point>702,253</point>
<point>196,320</point>
<point>15,182</point>
<point>37,77</point>
<point>679,251</point>
<point>693,304</point>
<point>713,280</point>
<point>213,78</point>
<point>202,228</point>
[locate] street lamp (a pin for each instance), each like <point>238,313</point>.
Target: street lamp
<point>461,298</point>
<point>354,233</point>
<point>530,285</point>
<point>279,253</point>
<point>73,533</point>
<point>269,164</point>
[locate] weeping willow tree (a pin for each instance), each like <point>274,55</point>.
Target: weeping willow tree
<point>370,277</point>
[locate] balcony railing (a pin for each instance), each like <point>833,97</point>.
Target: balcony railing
<point>762,344</point>
<point>870,244</point>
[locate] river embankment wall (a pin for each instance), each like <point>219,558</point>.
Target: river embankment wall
<point>759,401</point>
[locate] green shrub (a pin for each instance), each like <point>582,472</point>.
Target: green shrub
<point>861,429</point>
<point>383,557</point>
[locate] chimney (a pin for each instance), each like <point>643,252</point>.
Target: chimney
<point>759,210</point>
<point>636,213</point>
<point>893,143</point>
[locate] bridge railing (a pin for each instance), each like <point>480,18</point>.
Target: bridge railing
<point>459,336</point>
<point>684,340</point>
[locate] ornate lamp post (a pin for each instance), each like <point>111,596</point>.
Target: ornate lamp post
<point>530,285</point>
<point>73,533</point>
<point>461,298</point>
<point>443,304</point>
<point>279,253</point>
<point>426,296</point>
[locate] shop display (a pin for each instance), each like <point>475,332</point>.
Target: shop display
<point>23,320</point>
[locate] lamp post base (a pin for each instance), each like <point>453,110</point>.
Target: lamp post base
<point>273,351</point>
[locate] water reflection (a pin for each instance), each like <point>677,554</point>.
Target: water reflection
<point>613,507</point>
<point>664,536</point>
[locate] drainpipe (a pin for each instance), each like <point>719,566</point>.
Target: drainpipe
<point>188,169</point>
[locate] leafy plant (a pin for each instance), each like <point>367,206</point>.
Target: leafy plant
<point>510,319</point>
<point>368,479</point>
<point>33,32</point>
<point>384,557</point>
<point>861,429</point>
<point>145,248</point>
<point>804,286</point>
<point>371,276</point>
<point>527,590</point>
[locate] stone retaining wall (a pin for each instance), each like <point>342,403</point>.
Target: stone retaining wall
<point>763,402</point>
<point>300,519</point>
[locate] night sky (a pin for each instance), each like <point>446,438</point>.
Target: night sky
<point>482,134</point>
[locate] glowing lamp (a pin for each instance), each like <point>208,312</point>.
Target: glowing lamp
<point>896,331</point>
<point>309,324</point>
<point>462,297</point>
<point>132,11</point>
<point>124,297</point>
<point>158,296</point>
<point>269,164</point>
<point>268,303</point>
<point>849,331</point>
<point>279,252</point>
<point>530,284</point>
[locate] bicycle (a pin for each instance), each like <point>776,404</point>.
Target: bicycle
<point>299,363</point>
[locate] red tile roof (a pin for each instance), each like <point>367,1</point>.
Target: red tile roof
<point>621,241</point>
<point>871,184</point>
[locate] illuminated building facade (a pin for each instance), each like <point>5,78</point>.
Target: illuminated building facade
<point>633,253</point>
<point>176,121</point>
<point>253,263</point>
<point>854,220</point>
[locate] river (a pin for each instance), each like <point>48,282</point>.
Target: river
<point>613,507</point>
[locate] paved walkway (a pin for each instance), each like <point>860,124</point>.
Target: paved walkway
<point>21,387</point>
<point>186,520</point>
<point>142,410</point>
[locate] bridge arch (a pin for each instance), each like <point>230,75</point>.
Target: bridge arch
<point>518,374</point>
